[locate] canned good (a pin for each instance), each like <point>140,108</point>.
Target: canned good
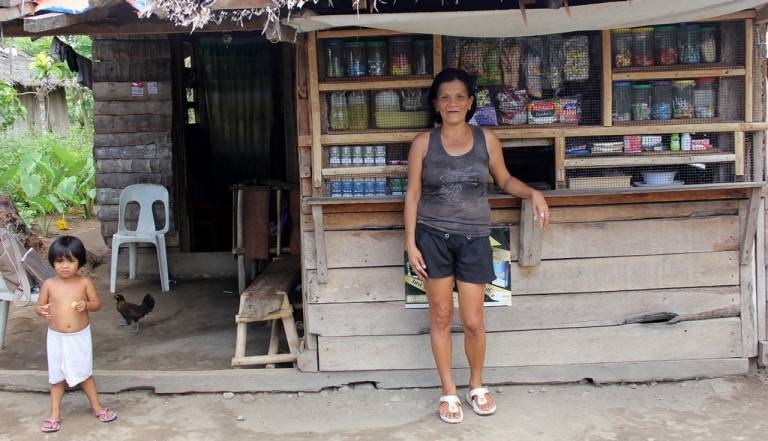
<point>347,188</point>
<point>346,156</point>
<point>358,187</point>
<point>334,156</point>
<point>397,186</point>
<point>357,156</point>
<point>370,187</point>
<point>381,186</point>
<point>369,155</point>
<point>336,188</point>
<point>380,155</point>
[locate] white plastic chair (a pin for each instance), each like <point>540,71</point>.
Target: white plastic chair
<point>9,291</point>
<point>145,195</point>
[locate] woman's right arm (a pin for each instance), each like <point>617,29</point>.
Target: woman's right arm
<point>412,197</point>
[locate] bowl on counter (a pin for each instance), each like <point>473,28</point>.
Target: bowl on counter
<point>659,178</point>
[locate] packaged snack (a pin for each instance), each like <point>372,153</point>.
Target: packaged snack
<point>576,54</point>
<point>542,112</point>
<point>532,67</point>
<point>452,47</point>
<point>554,66</point>
<point>492,64</point>
<point>510,64</point>
<point>570,110</point>
<point>486,113</point>
<point>472,57</point>
<point>513,106</point>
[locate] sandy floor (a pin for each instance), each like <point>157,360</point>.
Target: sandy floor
<point>717,410</point>
<point>191,328</point>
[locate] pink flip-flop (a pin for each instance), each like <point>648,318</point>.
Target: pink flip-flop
<point>51,425</point>
<point>106,415</point>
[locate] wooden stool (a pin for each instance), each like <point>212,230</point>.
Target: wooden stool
<point>266,299</point>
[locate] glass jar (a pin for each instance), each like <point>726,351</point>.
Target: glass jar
<point>641,102</point>
<point>334,58</point>
<point>339,118</point>
<point>708,37</point>
<point>377,58</point>
<point>688,44</point>
<point>355,56</point>
<point>622,101</point>
<point>665,44</point>
<point>400,56</point>
<point>422,57</point>
<point>387,101</point>
<point>682,104</point>
<point>661,100</point>
<point>642,47</point>
<point>621,47</point>
<point>704,98</point>
<point>358,110</point>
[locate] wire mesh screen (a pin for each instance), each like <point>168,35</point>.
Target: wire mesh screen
<point>553,79</point>
<point>651,160</point>
<point>375,58</point>
<point>345,169</point>
<point>363,110</point>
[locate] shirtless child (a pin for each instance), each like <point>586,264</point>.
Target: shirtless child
<point>65,301</point>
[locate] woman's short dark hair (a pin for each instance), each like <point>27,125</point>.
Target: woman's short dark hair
<point>445,76</point>
<point>67,247</point>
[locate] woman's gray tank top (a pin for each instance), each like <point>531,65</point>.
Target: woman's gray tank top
<point>453,188</point>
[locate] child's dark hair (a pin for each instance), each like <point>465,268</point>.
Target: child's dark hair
<point>445,76</point>
<point>67,247</point>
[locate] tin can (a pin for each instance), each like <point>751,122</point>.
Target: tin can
<point>347,188</point>
<point>334,156</point>
<point>380,155</point>
<point>369,157</point>
<point>370,187</point>
<point>358,188</point>
<point>357,156</point>
<point>336,188</point>
<point>381,186</point>
<point>346,156</point>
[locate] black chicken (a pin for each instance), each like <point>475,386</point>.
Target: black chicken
<point>132,312</point>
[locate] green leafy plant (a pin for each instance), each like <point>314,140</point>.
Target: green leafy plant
<point>10,106</point>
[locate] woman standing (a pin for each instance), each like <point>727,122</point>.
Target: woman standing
<point>447,224</point>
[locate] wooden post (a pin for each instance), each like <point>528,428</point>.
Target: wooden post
<point>560,162</point>
<point>749,46</point>
<point>607,80</point>
<point>748,220</point>
<point>322,263</point>
<point>748,316</point>
<point>274,341</point>
<point>240,256</point>
<point>437,53</point>
<point>314,108</point>
<point>278,196</point>
<point>738,147</point>
<point>531,236</point>
<point>762,311</point>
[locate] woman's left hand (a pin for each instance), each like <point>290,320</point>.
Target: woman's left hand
<point>540,209</point>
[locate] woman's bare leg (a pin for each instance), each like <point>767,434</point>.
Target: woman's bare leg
<point>472,318</point>
<point>440,296</point>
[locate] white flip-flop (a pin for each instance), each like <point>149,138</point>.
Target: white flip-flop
<point>480,393</point>
<point>454,406</point>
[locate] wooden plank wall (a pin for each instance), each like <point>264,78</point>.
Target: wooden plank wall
<point>132,142</point>
<point>602,267</point>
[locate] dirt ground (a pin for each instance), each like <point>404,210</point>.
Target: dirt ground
<point>712,409</point>
<point>191,328</point>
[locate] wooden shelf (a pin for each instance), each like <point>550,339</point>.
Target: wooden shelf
<point>630,160</point>
<point>676,73</point>
<point>374,83</point>
<point>550,131</point>
<point>379,169</point>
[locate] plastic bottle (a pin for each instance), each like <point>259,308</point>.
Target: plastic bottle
<point>674,142</point>
<point>685,142</point>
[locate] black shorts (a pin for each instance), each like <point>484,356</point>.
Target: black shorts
<point>468,259</point>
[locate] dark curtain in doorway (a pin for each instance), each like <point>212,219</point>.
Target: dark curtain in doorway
<point>238,108</point>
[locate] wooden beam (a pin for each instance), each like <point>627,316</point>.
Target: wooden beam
<point>437,53</point>
<point>738,148</point>
<point>749,45</point>
<point>321,260</point>
<point>736,16</point>
<point>748,316</point>
<point>761,16</point>
<point>674,74</point>
<point>314,111</point>
<point>9,3</point>
<point>14,12</point>
<point>619,161</point>
<point>607,88</point>
<point>374,85</point>
<point>531,237</point>
<point>560,162</point>
<point>748,217</point>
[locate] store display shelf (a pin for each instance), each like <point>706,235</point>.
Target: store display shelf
<point>666,122</point>
<point>677,72</point>
<point>379,169</point>
<point>636,160</point>
<point>376,83</point>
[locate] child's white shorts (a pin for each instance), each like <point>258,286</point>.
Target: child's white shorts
<point>70,356</point>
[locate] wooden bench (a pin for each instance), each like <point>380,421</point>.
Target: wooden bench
<point>266,299</point>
